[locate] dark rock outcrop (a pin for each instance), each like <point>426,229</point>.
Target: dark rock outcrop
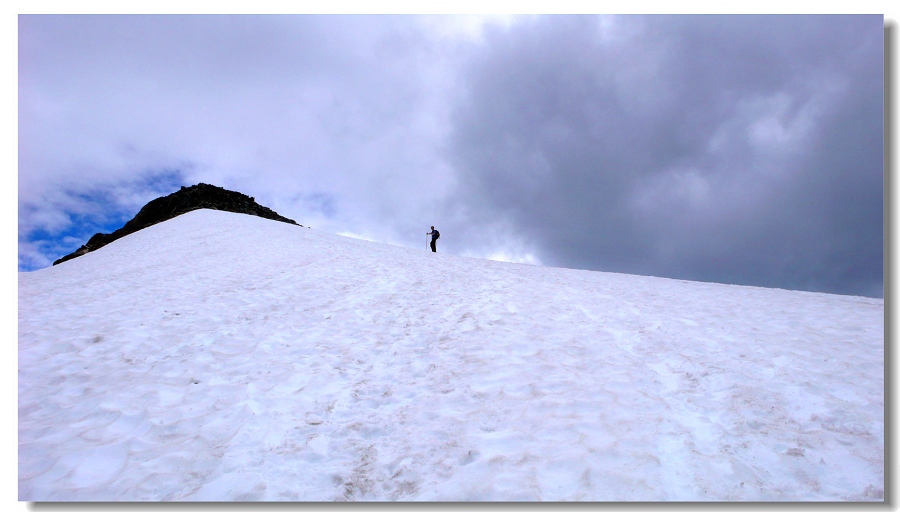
<point>185,200</point>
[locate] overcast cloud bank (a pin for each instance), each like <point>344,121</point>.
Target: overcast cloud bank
<point>735,149</point>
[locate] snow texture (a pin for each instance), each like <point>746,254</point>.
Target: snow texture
<point>220,357</point>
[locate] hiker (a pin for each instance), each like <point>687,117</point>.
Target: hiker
<point>435,234</point>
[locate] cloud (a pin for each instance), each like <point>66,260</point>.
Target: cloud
<point>740,149</point>
<point>732,149</point>
<point>343,112</point>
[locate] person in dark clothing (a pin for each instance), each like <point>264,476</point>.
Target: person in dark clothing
<point>434,236</point>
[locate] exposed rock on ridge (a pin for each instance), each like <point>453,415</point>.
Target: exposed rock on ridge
<point>185,200</point>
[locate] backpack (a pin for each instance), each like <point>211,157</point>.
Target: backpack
<point>437,234</point>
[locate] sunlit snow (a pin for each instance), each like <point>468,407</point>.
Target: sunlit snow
<point>219,356</point>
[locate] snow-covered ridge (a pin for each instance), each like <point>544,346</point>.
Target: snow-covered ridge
<point>219,356</point>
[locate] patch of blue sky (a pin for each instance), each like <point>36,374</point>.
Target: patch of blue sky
<point>56,244</point>
<point>91,211</point>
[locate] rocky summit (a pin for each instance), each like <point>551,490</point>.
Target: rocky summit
<point>185,200</point>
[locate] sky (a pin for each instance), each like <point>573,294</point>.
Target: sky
<point>737,149</point>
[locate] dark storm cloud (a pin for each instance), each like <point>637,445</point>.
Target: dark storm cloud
<point>737,149</point>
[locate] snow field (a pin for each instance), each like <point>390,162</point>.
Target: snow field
<point>222,357</point>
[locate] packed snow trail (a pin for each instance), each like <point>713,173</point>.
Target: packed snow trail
<point>221,357</point>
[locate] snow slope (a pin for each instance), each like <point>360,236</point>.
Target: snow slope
<point>219,356</point>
